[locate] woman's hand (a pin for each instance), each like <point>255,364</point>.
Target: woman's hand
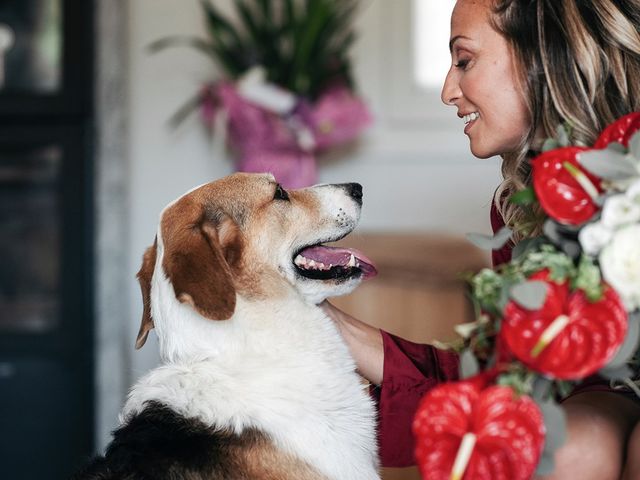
<point>363,340</point>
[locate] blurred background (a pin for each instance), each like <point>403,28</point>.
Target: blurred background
<point>88,160</point>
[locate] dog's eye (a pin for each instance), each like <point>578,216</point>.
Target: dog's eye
<point>280,193</point>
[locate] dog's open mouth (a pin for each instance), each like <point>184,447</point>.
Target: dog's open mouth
<point>320,262</point>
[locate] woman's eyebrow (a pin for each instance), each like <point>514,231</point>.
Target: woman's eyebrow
<point>455,39</point>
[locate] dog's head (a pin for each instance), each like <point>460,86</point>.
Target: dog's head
<point>245,235</point>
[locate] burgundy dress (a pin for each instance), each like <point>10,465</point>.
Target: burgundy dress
<point>410,370</point>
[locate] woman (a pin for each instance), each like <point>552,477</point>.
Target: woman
<point>519,69</point>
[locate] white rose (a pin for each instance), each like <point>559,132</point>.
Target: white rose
<point>620,210</point>
<point>593,237</point>
<point>620,264</point>
<point>633,193</point>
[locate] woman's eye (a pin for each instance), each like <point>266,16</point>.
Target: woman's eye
<point>280,193</point>
<point>462,64</point>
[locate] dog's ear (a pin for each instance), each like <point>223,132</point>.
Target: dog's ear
<point>144,278</point>
<point>197,258</point>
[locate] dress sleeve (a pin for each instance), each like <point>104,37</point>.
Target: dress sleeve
<point>410,370</point>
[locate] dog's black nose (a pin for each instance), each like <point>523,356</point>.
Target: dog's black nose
<point>355,191</point>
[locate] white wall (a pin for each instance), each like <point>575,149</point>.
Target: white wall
<point>415,175</point>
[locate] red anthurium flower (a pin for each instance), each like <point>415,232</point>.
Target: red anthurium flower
<point>619,131</point>
<point>466,431</point>
<point>569,337</point>
<point>565,190</point>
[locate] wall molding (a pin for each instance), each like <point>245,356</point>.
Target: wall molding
<point>112,299</point>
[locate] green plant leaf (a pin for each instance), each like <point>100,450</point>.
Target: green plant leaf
<point>541,388</point>
<point>617,147</point>
<point>526,245</point>
<point>616,373</point>
<point>487,242</point>
<point>627,349</point>
<point>227,42</point>
<point>634,145</point>
<point>563,134</point>
<point>530,294</point>
<point>182,41</point>
<point>302,44</point>
<point>546,465</point>
<point>555,421</point>
<point>526,196</point>
<point>185,110</point>
<point>469,365</point>
<point>256,34</point>
<point>588,279</point>
<point>219,27</point>
<point>608,164</point>
<point>550,144</point>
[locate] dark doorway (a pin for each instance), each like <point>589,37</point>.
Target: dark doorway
<point>46,237</point>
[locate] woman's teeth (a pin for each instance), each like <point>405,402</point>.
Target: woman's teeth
<point>471,117</point>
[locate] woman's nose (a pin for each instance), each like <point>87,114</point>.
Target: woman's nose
<point>451,89</point>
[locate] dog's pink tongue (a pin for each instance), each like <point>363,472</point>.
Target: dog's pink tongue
<point>340,256</point>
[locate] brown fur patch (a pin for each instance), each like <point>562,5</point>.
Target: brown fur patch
<point>261,460</point>
<point>194,259</point>
<point>144,278</point>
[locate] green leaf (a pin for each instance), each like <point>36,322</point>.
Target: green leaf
<point>530,295</point>
<point>550,144</point>
<point>181,41</point>
<point>228,45</point>
<point>616,373</point>
<point>218,25</point>
<point>256,34</point>
<point>185,110</point>
<point>563,135</point>
<point>608,164</point>
<point>627,349</point>
<point>487,242</point>
<point>546,465</point>
<point>588,279</point>
<point>526,196</point>
<point>469,365</point>
<point>541,388</point>
<point>526,245</point>
<point>634,145</point>
<point>617,147</point>
<point>302,49</point>
<point>555,421</point>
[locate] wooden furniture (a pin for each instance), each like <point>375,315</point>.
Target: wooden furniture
<point>420,292</point>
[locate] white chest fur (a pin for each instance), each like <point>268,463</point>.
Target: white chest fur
<point>282,368</point>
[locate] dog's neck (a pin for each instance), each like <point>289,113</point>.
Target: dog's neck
<point>279,365</point>
<point>185,336</point>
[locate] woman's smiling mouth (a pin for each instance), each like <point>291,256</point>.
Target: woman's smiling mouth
<point>469,120</point>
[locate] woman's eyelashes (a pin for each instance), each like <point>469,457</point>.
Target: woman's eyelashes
<point>461,57</point>
<point>462,63</point>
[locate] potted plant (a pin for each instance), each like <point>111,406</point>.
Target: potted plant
<point>286,88</point>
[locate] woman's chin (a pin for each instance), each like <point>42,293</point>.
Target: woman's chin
<point>479,151</point>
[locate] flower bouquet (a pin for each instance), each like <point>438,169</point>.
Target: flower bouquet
<point>564,309</point>
<point>287,91</point>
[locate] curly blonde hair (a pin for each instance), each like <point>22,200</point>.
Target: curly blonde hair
<point>578,64</point>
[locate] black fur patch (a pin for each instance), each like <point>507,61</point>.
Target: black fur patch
<point>159,444</point>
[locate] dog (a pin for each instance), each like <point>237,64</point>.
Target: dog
<point>256,381</point>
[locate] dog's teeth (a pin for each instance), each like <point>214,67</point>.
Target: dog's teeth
<point>312,263</point>
<point>300,260</point>
<point>320,266</point>
<point>352,261</point>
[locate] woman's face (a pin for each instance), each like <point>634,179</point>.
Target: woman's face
<point>482,83</point>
